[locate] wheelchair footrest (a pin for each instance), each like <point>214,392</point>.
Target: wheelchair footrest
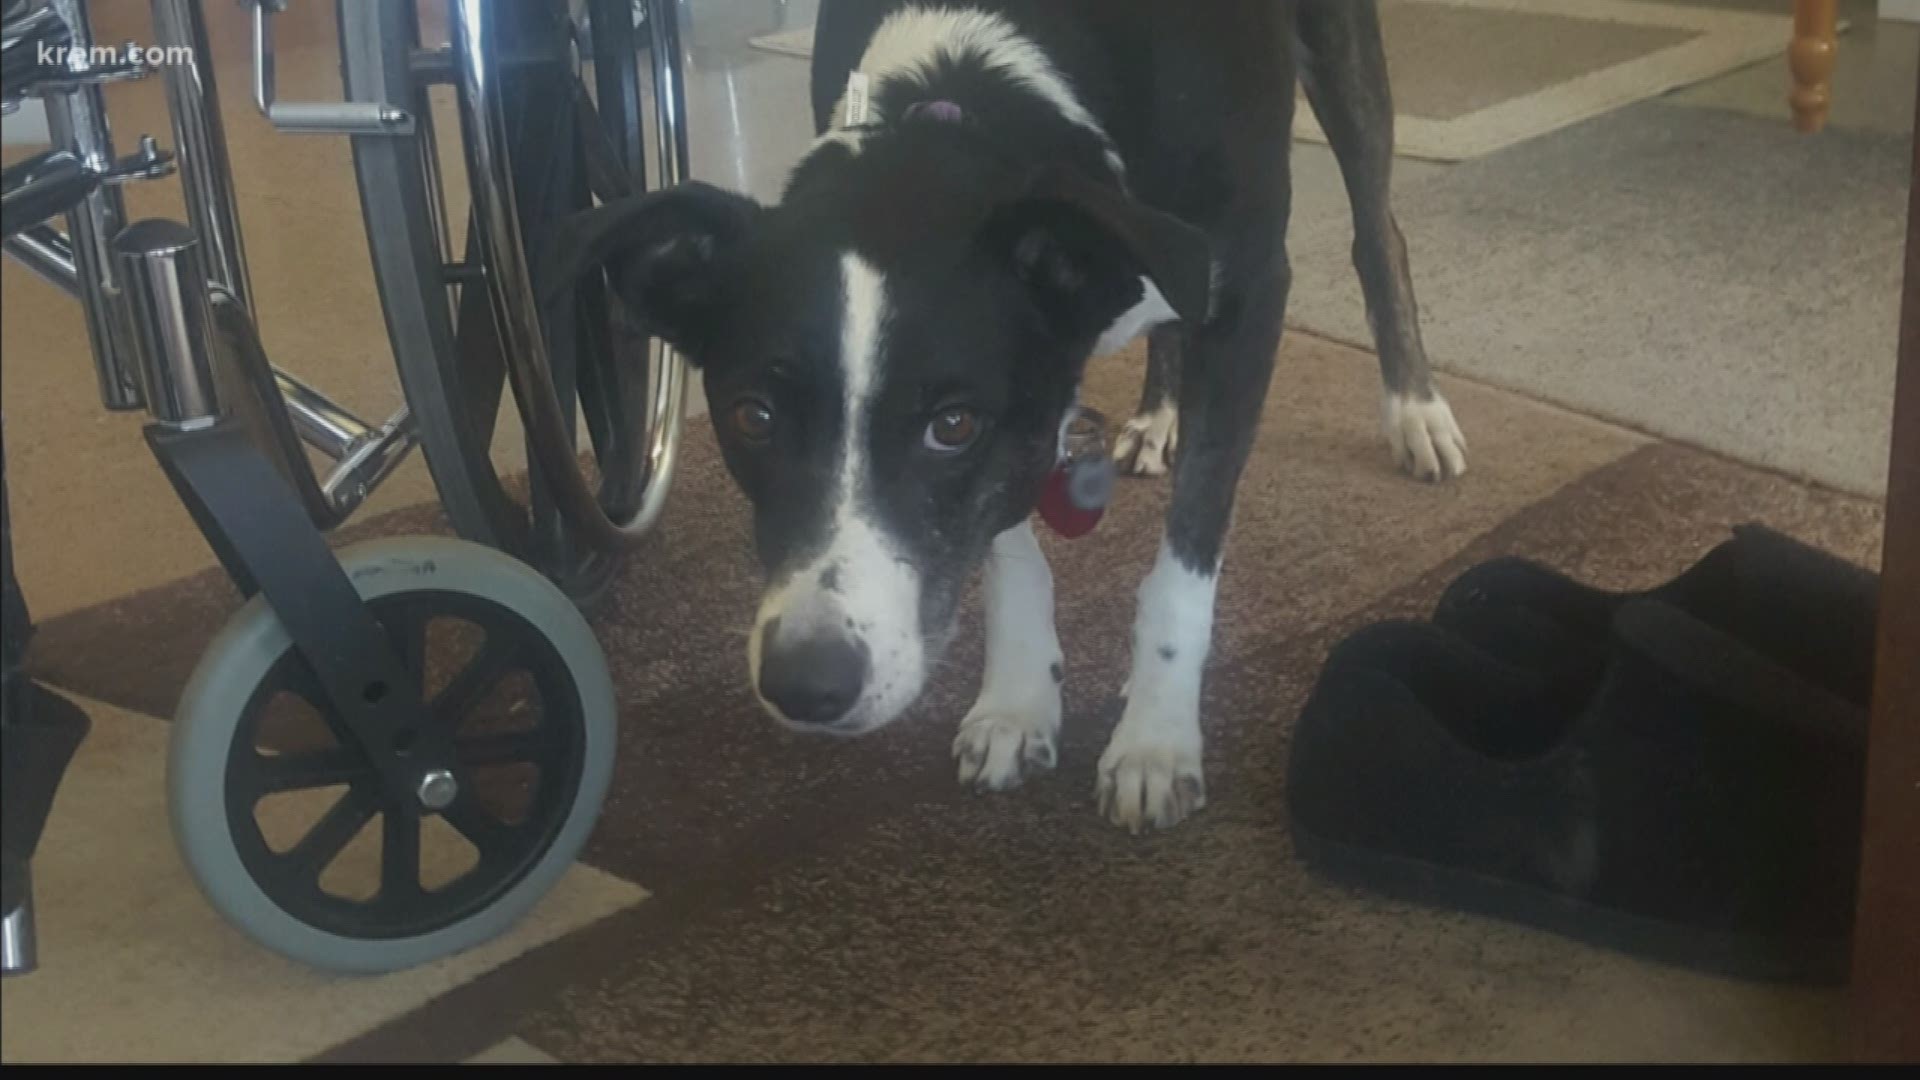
<point>37,743</point>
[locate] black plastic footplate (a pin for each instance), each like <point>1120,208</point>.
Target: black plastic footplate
<point>41,732</point>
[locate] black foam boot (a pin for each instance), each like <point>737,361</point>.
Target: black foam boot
<point>1675,773</point>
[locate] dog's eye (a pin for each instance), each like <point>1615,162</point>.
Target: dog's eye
<point>752,419</point>
<point>952,430</point>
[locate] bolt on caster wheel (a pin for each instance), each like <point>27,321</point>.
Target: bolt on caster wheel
<point>284,821</point>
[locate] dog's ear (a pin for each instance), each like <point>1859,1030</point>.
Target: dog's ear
<point>1083,248</point>
<point>663,252</point>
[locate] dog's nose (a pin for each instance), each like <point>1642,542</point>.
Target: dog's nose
<point>814,679</point>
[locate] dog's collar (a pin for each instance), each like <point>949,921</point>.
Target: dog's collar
<point>859,105</point>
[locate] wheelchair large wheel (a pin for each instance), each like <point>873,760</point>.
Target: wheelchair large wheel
<point>284,821</point>
<point>560,116</point>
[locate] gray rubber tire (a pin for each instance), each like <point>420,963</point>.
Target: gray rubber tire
<point>246,649</point>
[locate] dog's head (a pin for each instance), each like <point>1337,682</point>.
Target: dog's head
<point>888,356</point>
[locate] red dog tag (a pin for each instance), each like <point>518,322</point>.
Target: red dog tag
<point>1057,508</point>
<point>1077,490</point>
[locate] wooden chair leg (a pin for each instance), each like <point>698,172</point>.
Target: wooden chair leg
<point>1811,57</point>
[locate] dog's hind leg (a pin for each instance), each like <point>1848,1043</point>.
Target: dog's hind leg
<point>1343,66</point>
<point>1146,443</point>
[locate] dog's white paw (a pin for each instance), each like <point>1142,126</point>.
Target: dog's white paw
<point>1426,440</point>
<point>1146,443</point>
<point>999,748</point>
<point>1150,774</point>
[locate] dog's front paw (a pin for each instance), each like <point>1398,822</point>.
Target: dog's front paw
<point>1145,444</point>
<point>1150,775</point>
<point>1426,440</point>
<point>999,748</point>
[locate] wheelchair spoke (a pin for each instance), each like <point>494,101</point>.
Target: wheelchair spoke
<point>481,378</point>
<point>467,689</point>
<point>400,855</point>
<point>330,835</point>
<point>328,768</point>
<point>481,828</point>
<point>606,174</point>
<point>537,746</point>
<point>569,124</point>
<point>613,399</point>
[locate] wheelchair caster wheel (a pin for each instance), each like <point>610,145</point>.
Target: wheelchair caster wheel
<point>284,821</point>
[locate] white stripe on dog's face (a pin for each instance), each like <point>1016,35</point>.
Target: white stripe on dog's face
<point>861,584</point>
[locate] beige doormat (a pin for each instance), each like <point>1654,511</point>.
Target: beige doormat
<point>797,42</point>
<point>136,966</point>
<point>1474,76</point>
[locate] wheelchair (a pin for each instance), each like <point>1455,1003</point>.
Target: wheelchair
<point>329,682</point>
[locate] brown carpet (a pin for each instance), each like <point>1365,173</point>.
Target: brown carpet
<point>901,920</point>
<point>846,901</point>
<point>137,968</point>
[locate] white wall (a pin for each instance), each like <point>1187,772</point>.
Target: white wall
<point>1900,10</point>
<point>29,125</point>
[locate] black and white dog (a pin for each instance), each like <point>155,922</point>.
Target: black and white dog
<point>999,192</point>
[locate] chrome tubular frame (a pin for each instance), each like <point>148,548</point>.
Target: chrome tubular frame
<point>132,363</point>
<point>77,120</point>
<point>669,402</point>
<point>510,285</point>
<point>43,250</point>
<point>200,144</point>
<point>366,454</point>
<point>313,117</point>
